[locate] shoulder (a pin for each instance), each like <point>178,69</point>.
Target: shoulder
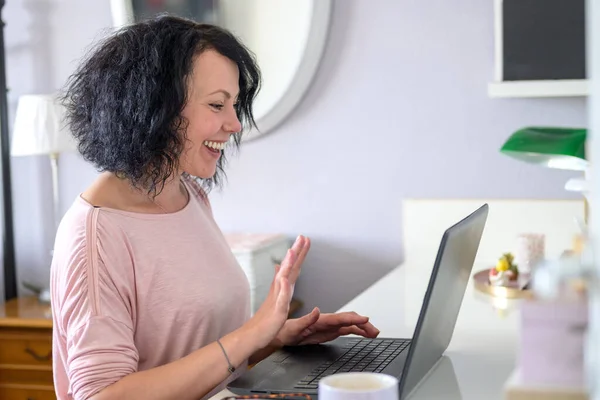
<point>84,225</point>
<point>89,251</point>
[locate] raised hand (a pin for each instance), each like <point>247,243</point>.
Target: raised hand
<point>273,313</point>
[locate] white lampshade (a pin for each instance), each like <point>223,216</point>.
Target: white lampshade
<point>39,127</point>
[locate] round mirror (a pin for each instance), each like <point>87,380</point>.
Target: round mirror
<point>287,37</point>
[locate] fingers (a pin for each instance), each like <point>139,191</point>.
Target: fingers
<point>352,318</point>
<point>369,329</point>
<point>320,337</point>
<point>284,294</point>
<point>338,320</point>
<point>331,326</point>
<point>326,336</point>
<point>274,281</point>
<point>292,263</point>
<point>275,285</point>
<point>287,265</point>
<point>282,284</point>
<point>352,330</point>
<point>341,319</point>
<point>304,326</point>
<point>301,247</point>
<point>308,319</point>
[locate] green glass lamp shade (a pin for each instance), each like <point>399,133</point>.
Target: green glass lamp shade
<point>561,148</point>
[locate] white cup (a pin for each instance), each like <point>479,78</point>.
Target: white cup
<point>358,386</point>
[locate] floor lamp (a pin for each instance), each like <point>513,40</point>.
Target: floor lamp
<point>39,129</point>
<point>8,253</point>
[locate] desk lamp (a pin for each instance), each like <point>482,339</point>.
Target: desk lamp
<point>559,148</point>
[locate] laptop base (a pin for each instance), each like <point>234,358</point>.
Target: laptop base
<point>297,369</point>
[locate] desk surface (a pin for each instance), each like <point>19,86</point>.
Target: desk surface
<point>481,355</point>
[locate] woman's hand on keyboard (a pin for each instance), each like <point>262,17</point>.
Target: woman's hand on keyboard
<point>315,328</point>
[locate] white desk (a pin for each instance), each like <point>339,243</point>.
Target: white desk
<point>481,355</point>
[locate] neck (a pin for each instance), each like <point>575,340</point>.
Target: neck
<point>172,191</point>
<point>173,196</point>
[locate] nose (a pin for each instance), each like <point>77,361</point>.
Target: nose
<point>232,123</point>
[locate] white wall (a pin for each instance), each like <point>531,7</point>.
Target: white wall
<point>398,109</point>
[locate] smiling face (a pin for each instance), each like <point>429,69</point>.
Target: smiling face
<point>210,112</point>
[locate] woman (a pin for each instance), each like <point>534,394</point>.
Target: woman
<point>148,300</point>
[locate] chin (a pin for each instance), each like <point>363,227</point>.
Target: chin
<point>200,167</point>
<point>203,173</point>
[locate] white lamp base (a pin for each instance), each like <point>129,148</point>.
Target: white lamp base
<point>44,296</point>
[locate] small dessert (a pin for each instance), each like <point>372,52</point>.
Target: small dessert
<point>505,272</point>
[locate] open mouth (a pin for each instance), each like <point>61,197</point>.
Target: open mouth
<point>215,147</point>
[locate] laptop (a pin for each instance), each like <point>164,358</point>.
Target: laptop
<point>298,369</point>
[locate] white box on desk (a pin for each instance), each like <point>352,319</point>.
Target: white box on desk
<point>258,254</point>
<point>516,389</point>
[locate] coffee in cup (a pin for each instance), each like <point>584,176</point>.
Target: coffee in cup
<point>358,386</point>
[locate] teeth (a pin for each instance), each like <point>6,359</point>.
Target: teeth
<point>215,145</point>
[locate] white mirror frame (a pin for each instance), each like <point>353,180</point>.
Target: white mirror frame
<point>122,14</point>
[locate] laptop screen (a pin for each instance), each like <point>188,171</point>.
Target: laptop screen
<point>443,298</point>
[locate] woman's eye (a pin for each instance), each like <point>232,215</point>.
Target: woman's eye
<point>217,107</point>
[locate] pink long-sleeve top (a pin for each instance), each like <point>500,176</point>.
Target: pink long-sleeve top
<point>133,291</point>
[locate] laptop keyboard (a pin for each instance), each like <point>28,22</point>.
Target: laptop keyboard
<point>362,355</point>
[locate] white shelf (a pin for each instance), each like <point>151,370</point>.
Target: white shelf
<point>541,88</point>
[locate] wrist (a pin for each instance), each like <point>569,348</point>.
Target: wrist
<point>265,351</point>
<point>277,343</point>
<point>279,340</point>
<point>254,335</point>
<point>244,343</point>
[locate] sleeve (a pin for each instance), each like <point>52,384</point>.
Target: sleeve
<point>93,290</point>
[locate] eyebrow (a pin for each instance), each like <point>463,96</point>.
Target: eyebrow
<point>225,92</point>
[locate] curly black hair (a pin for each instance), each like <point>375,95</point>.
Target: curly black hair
<point>124,101</point>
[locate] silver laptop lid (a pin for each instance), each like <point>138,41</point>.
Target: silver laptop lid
<point>443,298</point>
